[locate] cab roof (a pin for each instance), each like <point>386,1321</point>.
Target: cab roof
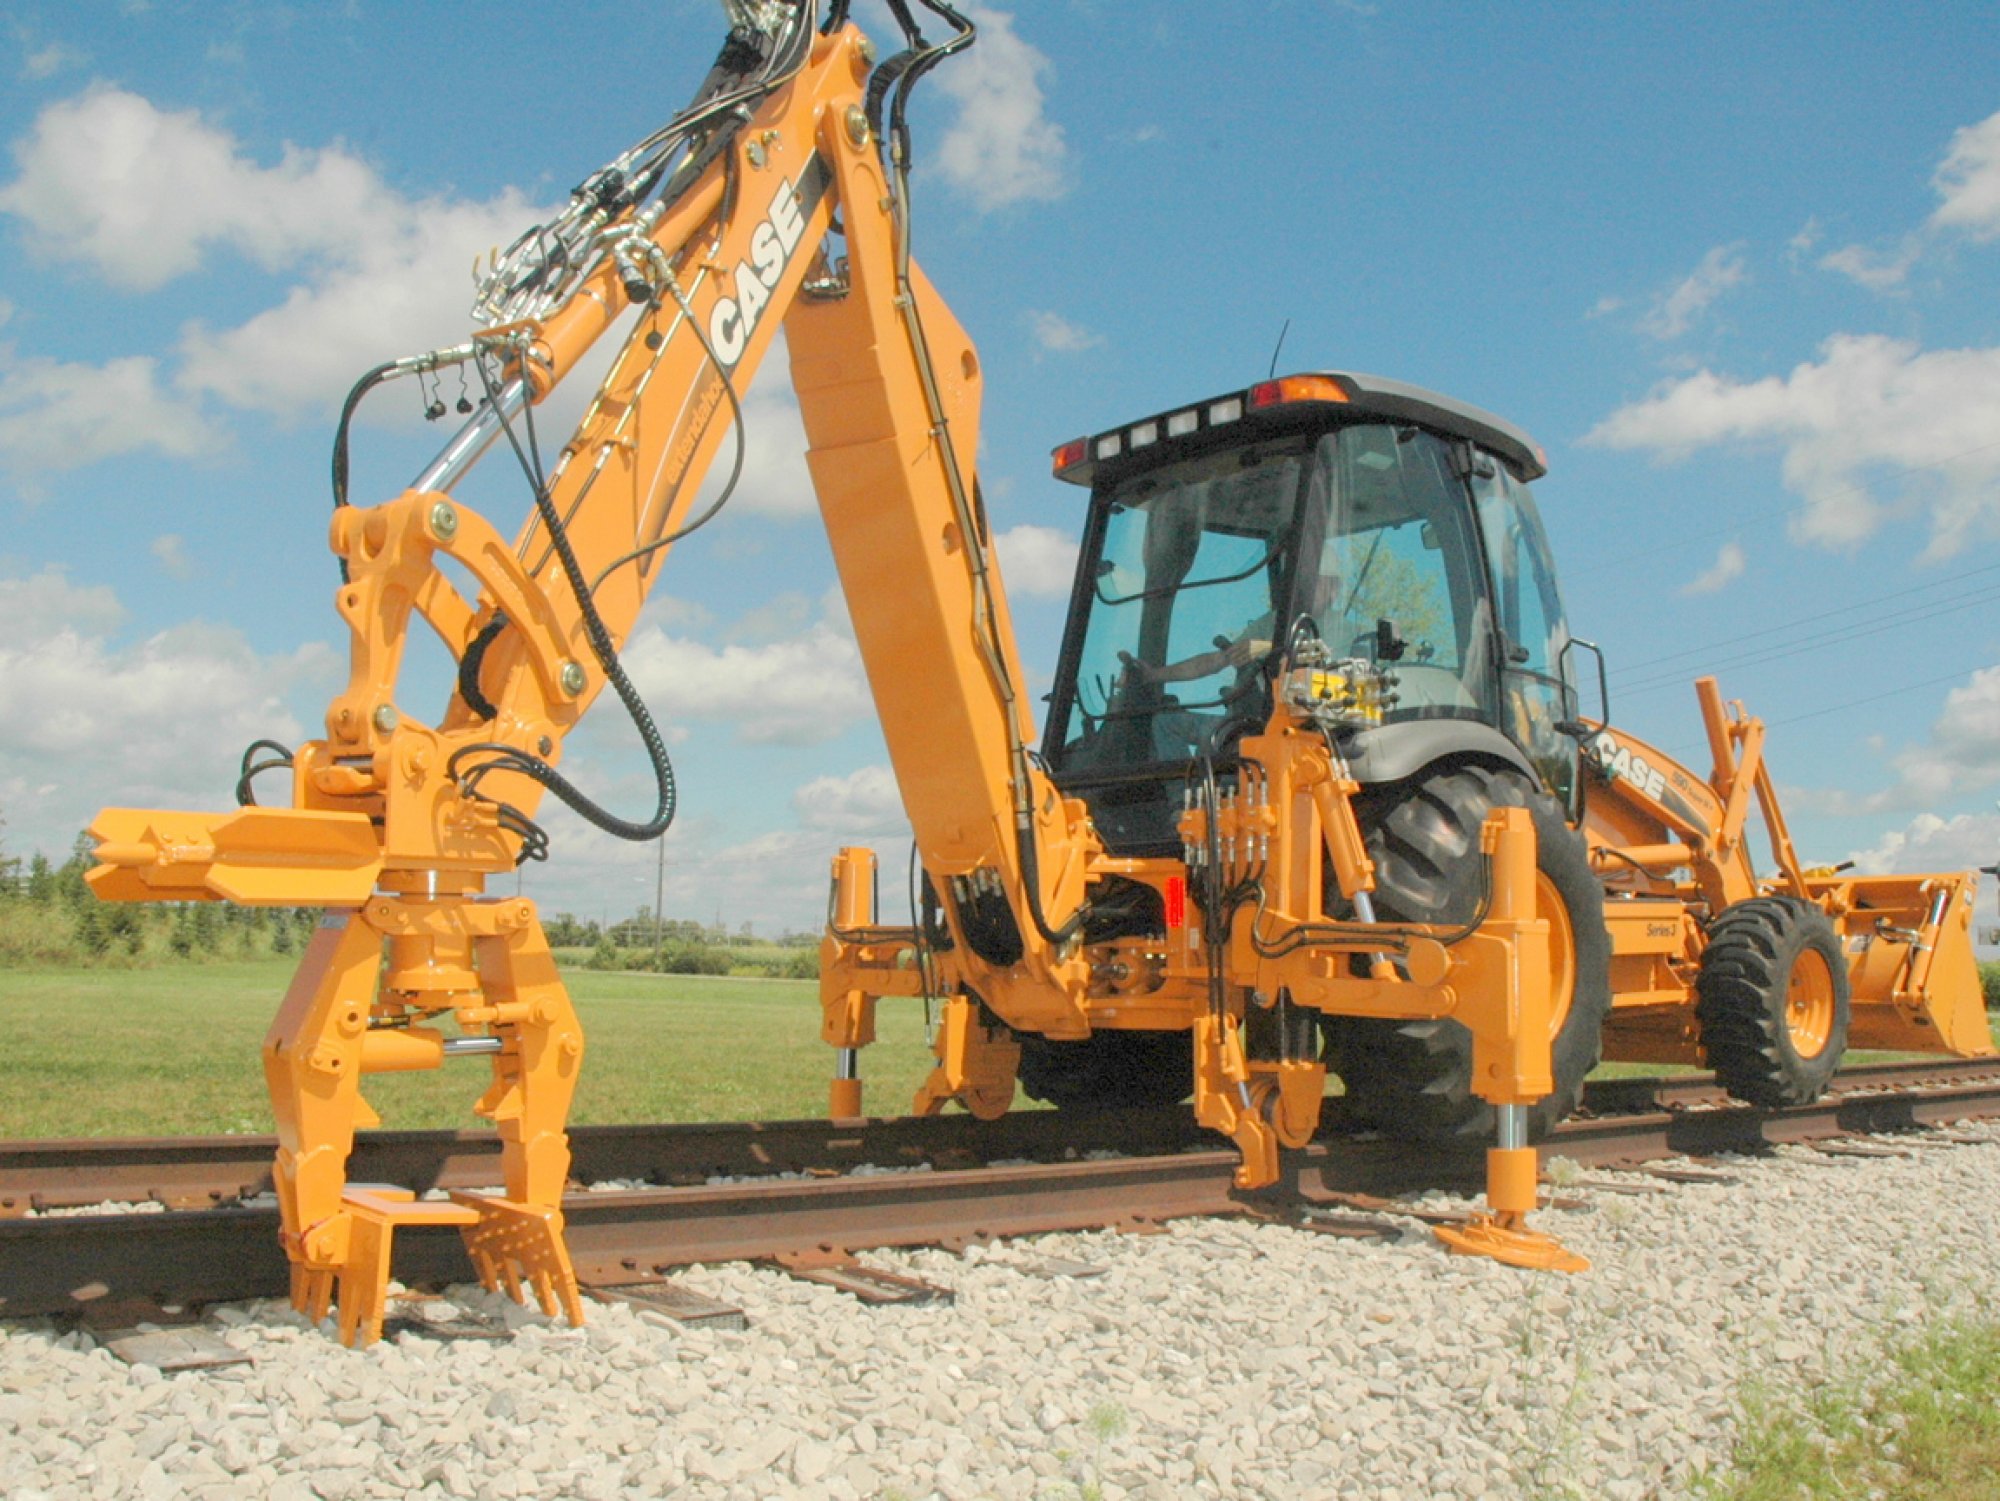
<point>1356,397</point>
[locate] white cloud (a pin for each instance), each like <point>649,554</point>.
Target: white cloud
<point>802,690</point>
<point>1036,561</point>
<point>402,290</point>
<point>169,550</point>
<point>1968,188</point>
<point>1931,843</point>
<point>1728,566</point>
<point>864,803</point>
<point>1876,270</point>
<point>1001,148</point>
<point>1675,311</point>
<point>1968,180</point>
<point>1962,754</point>
<point>1867,403</point>
<point>777,878</point>
<point>1802,244</point>
<point>87,724</point>
<point>142,196</point>
<point>141,193</point>
<point>1058,335</point>
<point>1957,759</point>
<point>34,607</point>
<point>56,415</point>
<point>46,62</point>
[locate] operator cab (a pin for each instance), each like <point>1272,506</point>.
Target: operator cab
<point>1393,523</point>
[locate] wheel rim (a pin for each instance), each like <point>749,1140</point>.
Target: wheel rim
<point>1809,1004</point>
<point>1549,904</point>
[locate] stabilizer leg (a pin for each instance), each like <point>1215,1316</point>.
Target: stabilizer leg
<point>1510,1019</point>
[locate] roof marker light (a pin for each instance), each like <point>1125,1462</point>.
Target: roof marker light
<point>1145,434</point>
<point>1225,411</point>
<point>1289,388</point>
<point>1182,423</point>
<point>1070,454</point>
<point>1110,446</point>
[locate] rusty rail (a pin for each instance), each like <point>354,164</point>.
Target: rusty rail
<point>59,1264</point>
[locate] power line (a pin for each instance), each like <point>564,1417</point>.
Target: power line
<point>1850,705</point>
<point>1804,620</point>
<point>1895,621</point>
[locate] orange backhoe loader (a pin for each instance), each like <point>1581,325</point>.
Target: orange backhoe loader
<point>1300,798</point>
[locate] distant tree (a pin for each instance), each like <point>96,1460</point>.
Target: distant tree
<point>10,870</point>
<point>69,879</point>
<point>41,880</point>
<point>181,940</point>
<point>92,936</point>
<point>697,959</point>
<point>124,927</point>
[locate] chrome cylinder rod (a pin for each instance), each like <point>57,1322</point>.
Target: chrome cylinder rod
<point>472,440</point>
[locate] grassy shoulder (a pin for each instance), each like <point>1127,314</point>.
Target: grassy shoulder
<point>176,1049</point>
<point>1920,1423</point>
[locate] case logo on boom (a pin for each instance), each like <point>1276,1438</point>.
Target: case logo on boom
<point>1618,763</point>
<point>772,243</point>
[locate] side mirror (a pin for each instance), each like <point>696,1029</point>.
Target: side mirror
<point>1389,645</point>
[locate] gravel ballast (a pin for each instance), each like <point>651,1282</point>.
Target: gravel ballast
<point>1219,1358</point>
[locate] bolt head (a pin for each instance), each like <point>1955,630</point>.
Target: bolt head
<point>444,521</point>
<point>573,679</point>
<point>386,718</point>
<point>754,153</point>
<point>857,125</point>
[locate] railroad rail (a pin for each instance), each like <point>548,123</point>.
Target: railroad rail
<point>789,1191</point>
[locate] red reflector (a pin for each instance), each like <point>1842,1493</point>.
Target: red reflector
<point>1266,393</point>
<point>1176,903</point>
<point>1071,454</point>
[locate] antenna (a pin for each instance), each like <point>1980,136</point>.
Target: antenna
<point>1272,373</point>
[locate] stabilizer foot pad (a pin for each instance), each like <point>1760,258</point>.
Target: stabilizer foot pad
<point>1484,1235</point>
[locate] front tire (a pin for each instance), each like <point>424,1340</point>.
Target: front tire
<point>1413,1080</point>
<point>1773,999</point>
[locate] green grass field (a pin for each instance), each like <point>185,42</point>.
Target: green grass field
<point>176,1050</point>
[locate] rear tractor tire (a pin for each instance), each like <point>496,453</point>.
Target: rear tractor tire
<point>1108,1070</point>
<point>1413,1080</point>
<point>1772,1001</point>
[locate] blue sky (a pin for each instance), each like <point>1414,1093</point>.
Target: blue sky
<point>1734,267</point>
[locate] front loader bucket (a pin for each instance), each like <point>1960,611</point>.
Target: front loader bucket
<point>1909,957</point>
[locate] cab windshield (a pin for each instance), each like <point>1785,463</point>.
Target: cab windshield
<point>1205,568</point>
<point>1190,564</point>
